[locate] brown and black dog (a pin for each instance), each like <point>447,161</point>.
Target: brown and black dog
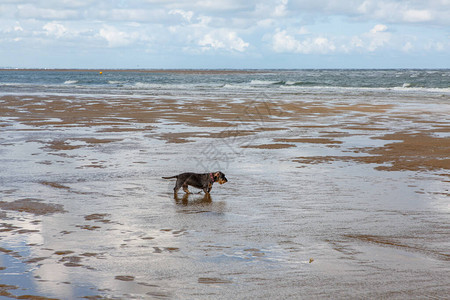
<point>201,181</point>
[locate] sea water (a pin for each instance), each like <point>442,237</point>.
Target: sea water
<point>135,82</point>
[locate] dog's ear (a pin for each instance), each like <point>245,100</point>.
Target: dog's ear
<point>216,174</point>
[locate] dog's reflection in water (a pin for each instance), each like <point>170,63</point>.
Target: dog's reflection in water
<point>195,204</point>
<point>194,201</point>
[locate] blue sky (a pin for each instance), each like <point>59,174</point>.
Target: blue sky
<point>225,34</point>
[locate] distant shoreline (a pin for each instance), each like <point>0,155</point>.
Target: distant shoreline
<point>202,71</point>
<point>180,71</point>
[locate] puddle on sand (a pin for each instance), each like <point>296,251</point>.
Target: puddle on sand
<point>324,199</point>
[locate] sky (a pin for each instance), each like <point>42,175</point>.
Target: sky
<point>235,34</point>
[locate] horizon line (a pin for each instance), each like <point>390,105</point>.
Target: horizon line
<point>181,70</point>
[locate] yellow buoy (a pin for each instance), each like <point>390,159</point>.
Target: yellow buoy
<point>100,73</point>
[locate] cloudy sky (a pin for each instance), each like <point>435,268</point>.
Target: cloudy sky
<point>225,33</point>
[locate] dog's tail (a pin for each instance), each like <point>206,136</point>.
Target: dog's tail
<point>170,177</point>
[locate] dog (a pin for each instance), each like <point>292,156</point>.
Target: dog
<point>201,181</point>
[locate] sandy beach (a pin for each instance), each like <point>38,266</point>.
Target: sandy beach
<point>328,196</point>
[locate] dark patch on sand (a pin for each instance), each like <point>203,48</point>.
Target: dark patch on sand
<point>416,151</point>
<point>308,140</point>
<point>59,145</point>
<point>88,227</point>
<point>4,290</point>
<point>93,141</point>
<point>64,252</point>
<point>10,252</point>
<point>171,249</point>
<point>33,206</point>
<point>409,152</point>
<point>35,260</point>
<point>91,254</point>
<point>124,278</point>
<point>5,227</point>
<point>55,185</point>
<point>23,231</point>
<point>98,218</point>
<point>71,261</point>
<point>213,280</point>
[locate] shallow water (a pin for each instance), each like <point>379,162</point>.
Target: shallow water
<point>322,200</point>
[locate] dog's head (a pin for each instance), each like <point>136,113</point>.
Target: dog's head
<point>220,177</point>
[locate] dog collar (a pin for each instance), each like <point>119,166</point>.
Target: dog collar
<point>212,177</point>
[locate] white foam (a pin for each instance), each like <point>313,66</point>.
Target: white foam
<point>70,81</point>
<point>423,89</point>
<point>230,86</point>
<point>404,88</point>
<point>144,85</point>
<point>262,82</point>
<point>164,86</point>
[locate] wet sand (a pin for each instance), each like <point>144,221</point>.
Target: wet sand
<point>328,197</point>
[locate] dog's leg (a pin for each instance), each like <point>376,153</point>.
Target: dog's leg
<point>185,189</point>
<point>207,189</point>
<point>178,185</point>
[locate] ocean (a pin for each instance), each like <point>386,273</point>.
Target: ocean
<point>117,82</point>
<point>338,184</point>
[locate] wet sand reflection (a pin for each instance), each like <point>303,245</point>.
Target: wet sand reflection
<point>333,198</point>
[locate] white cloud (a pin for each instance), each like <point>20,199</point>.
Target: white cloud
<point>303,30</point>
<point>435,46</point>
<point>116,38</point>
<point>407,47</point>
<point>378,28</point>
<point>18,28</point>
<point>283,42</point>
<point>143,16</point>
<point>55,29</point>
<point>377,37</point>
<point>223,39</point>
<point>416,15</point>
<point>432,12</point>
<point>355,43</point>
<point>215,5</point>
<point>204,21</point>
<point>270,9</point>
<point>265,23</point>
<point>286,43</point>
<point>186,15</point>
<point>202,33</point>
<point>30,11</point>
<point>280,9</point>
